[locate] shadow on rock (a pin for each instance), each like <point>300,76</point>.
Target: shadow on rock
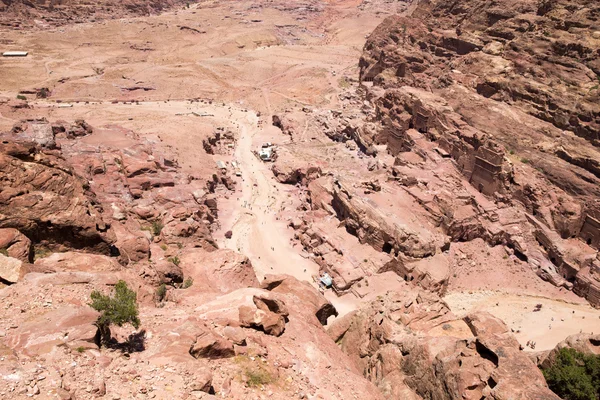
<point>136,342</point>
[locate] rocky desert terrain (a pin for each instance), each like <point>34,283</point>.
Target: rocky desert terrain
<point>427,227</point>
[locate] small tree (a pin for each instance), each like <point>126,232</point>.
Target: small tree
<point>118,309</point>
<point>161,292</point>
<point>574,375</point>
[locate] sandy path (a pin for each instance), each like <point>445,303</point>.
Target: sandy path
<point>256,231</point>
<point>547,327</point>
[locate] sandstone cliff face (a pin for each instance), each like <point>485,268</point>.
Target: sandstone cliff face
<point>47,202</point>
<point>539,56</point>
<point>22,13</point>
<point>62,193</point>
<point>474,52</point>
<point>378,230</point>
<point>409,341</point>
<point>506,91</point>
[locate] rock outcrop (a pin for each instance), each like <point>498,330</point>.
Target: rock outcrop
<point>15,244</point>
<point>44,200</point>
<point>270,315</point>
<point>24,13</point>
<point>409,343</point>
<point>473,89</point>
<point>372,226</point>
<point>292,174</point>
<point>10,269</point>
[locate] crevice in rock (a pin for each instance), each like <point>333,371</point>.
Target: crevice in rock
<point>486,353</point>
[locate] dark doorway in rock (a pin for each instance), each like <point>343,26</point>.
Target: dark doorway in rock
<point>387,247</point>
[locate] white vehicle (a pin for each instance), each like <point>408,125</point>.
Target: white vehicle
<point>266,153</point>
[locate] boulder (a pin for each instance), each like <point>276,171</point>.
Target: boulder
<point>168,272</point>
<point>16,244</point>
<point>38,131</point>
<point>273,324</point>
<point>210,345</point>
<point>72,261</point>
<point>67,325</point>
<point>133,246</point>
<point>79,128</point>
<point>136,167</point>
<point>222,270</point>
<point>99,388</point>
<point>10,269</point>
<point>267,321</point>
<point>202,382</point>
<point>235,334</point>
<point>271,305</point>
<point>287,171</point>
<point>314,302</point>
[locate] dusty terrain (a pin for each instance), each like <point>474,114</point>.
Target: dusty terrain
<point>440,165</point>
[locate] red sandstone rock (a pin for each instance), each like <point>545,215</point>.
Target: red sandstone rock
<point>208,345</point>
<point>37,131</point>
<point>168,272</point>
<point>272,323</point>
<point>38,195</point>
<point>10,269</point>
<point>73,261</point>
<point>287,172</point>
<point>73,326</point>
<point>16,244</point>
<point>472,358</point>
<point>221,270</point>
<point>310,297</point>
<point>25,13</point>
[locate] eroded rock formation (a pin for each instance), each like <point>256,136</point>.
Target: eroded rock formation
<point>409,344</point>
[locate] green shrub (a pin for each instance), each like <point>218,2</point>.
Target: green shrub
<point>4,252</point>
<point>343,83</point>
<point>119,309</point>
<point>43,93</point>
<point>188,283</point>
<point>574,375</point>
<point>175,260</point>
<point>157,227</point>
<point>21,97</point>
<point>80,349</point>
<point>161,292</point>
<point>258,377</point>
<point>524,160</point>
<point>41,252</point>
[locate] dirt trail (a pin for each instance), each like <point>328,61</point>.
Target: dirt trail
<point>257,232</point>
